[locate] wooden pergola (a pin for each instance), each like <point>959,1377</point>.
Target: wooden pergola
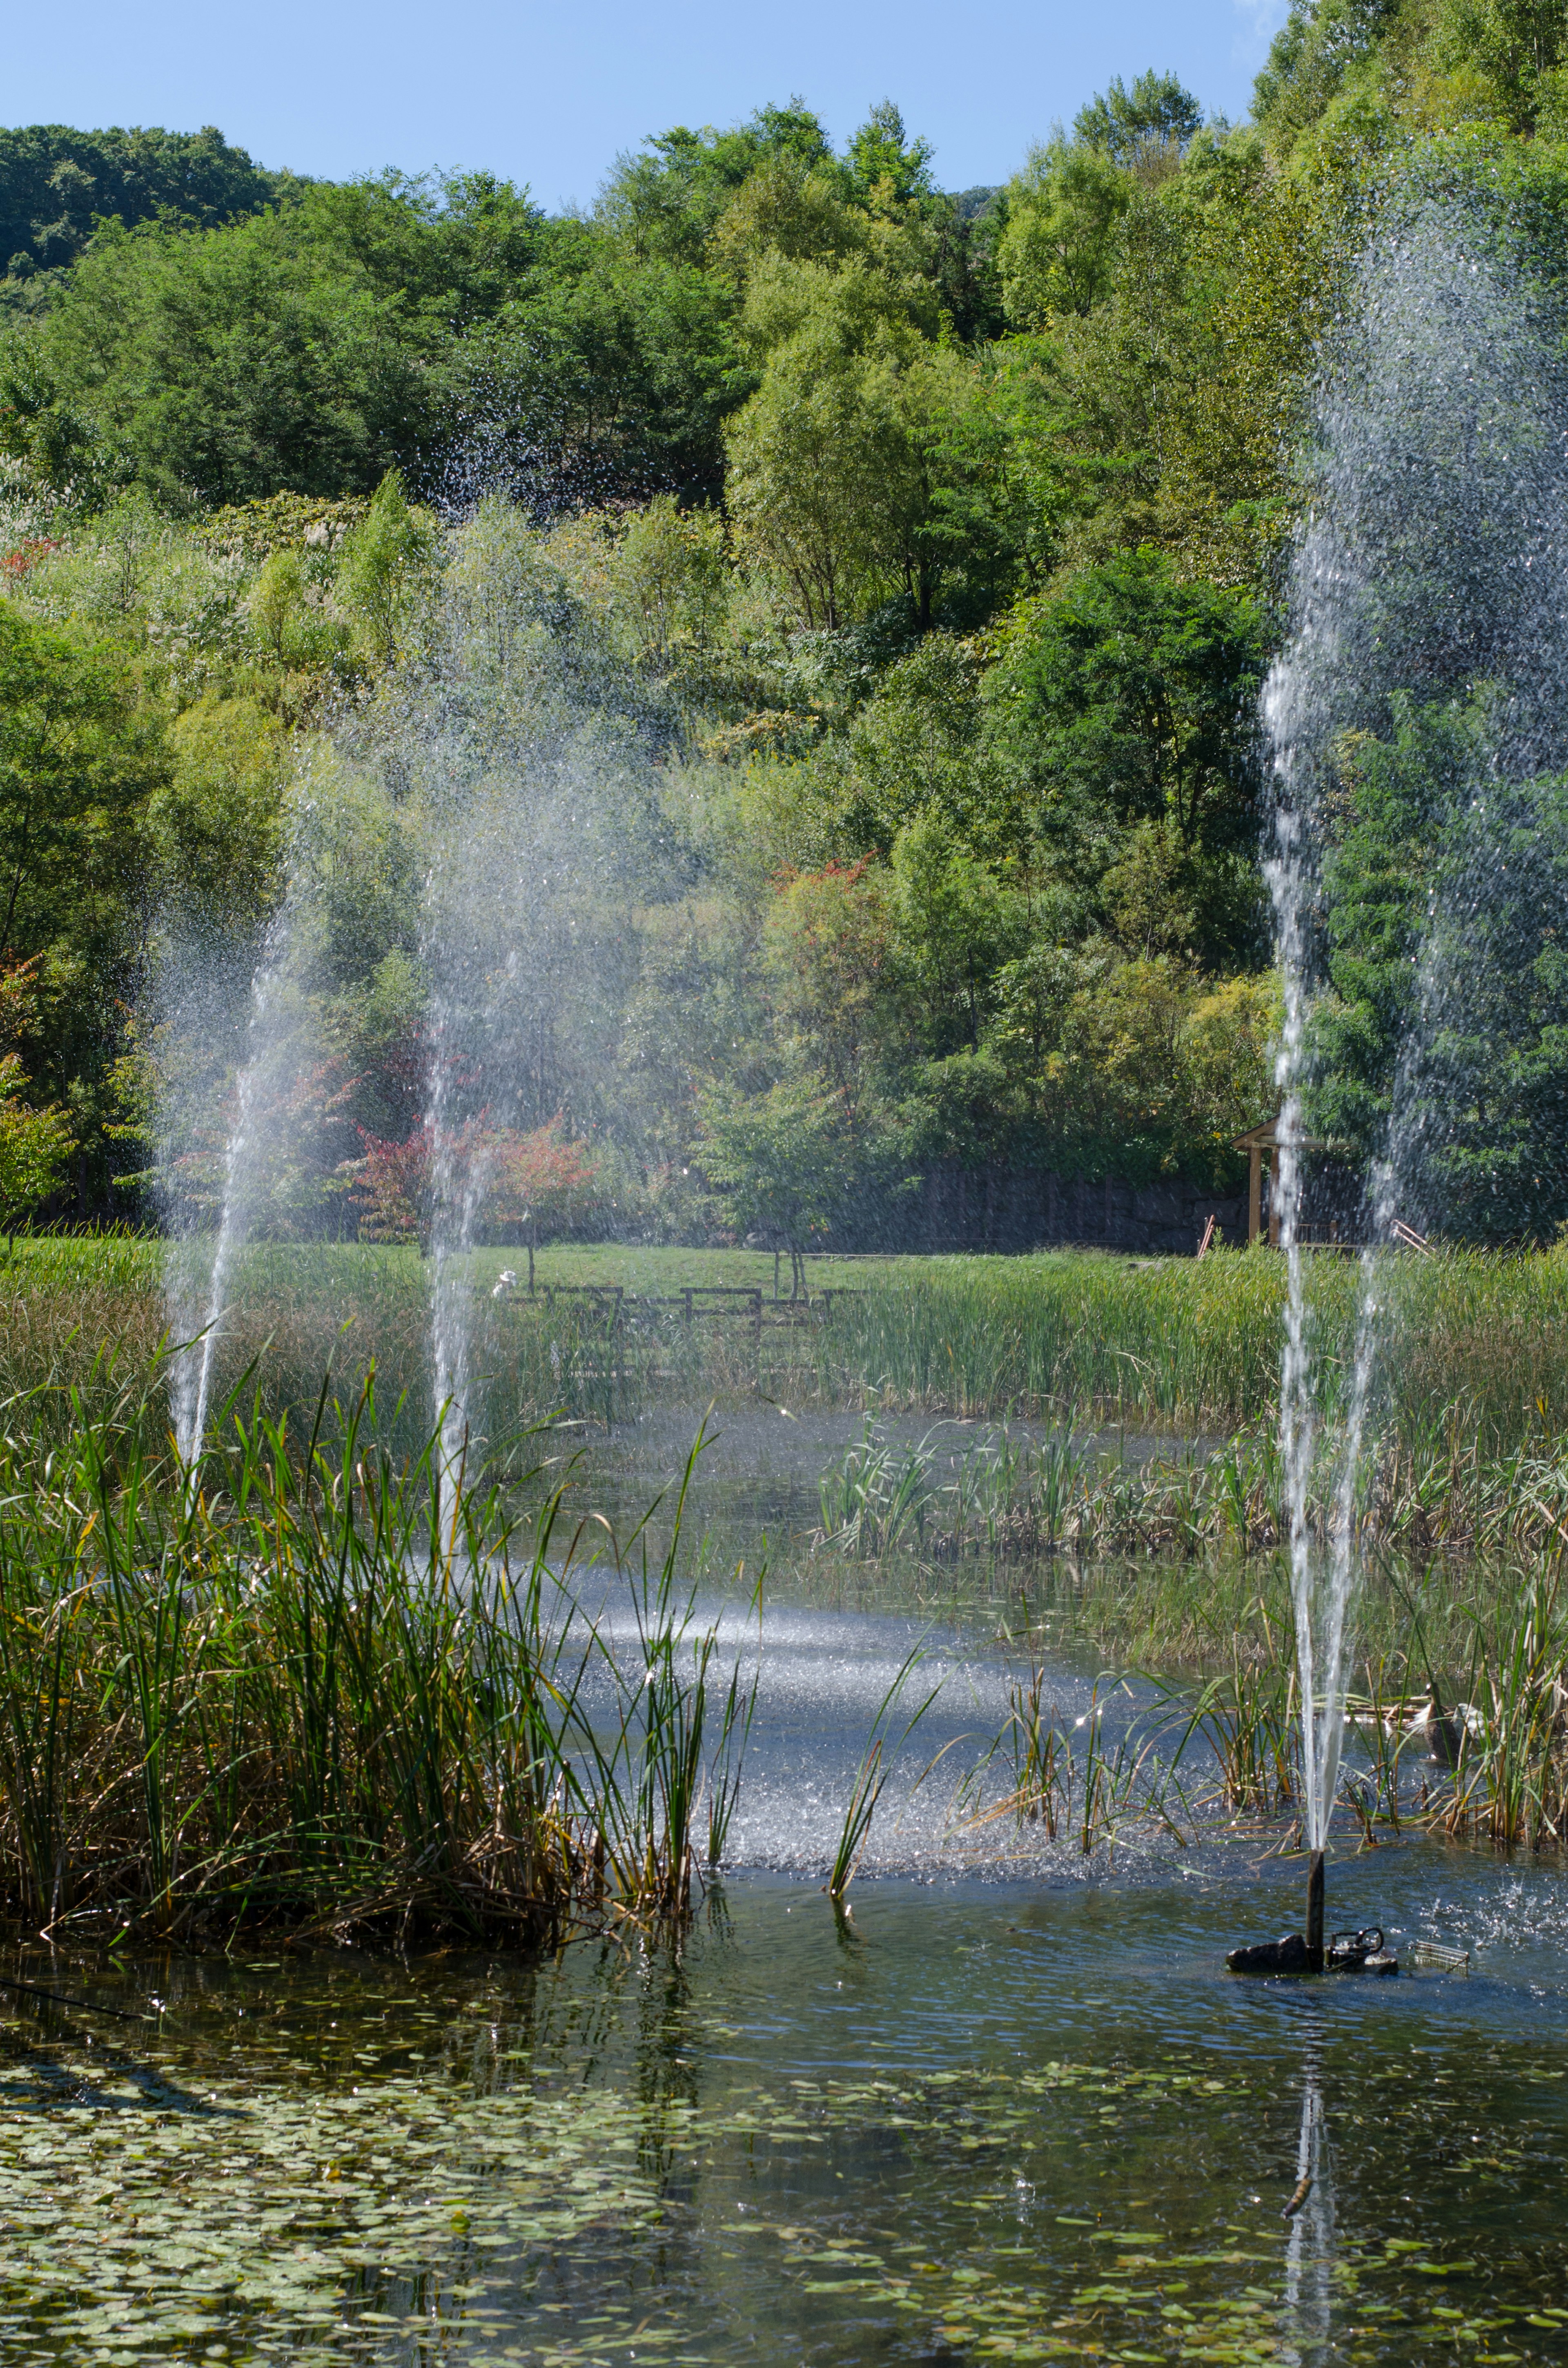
<point>1255,1142</point>
<point>1265,1138</point>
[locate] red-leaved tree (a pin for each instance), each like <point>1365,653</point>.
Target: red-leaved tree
<point>538,1180</point>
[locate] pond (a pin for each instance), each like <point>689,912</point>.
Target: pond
<point>1011,2108</point>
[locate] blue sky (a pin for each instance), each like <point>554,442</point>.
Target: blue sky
<point>548,95</point>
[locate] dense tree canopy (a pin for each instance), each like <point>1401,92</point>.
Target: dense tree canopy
<point>874,585</point>
<point>56,184</point>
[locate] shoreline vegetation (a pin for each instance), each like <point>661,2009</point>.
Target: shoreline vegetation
<point>269,1690</point>
<point>1175,1347</point>
<point>302,1683</point>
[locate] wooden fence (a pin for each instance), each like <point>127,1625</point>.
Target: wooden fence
<point>734,1300</point>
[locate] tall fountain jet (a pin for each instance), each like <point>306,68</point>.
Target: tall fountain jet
<point>1420,689</point>
<point>502,765</point>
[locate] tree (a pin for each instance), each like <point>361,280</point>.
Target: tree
<point>1134,1067</point>
<point>786,207</point>
<point>34,1144</point>
<point>664,201</point>
<point>1130,697</point>
<point>671,586</point>
<point>1058,252</point>
<point>78,757</point>
<point>886,167</point>
<point>517,1179</point>
<point>918,745</point>
<point>386,570</point>
<point>56,184</point>
<point>832,460</point>
<point>1439,1036</point>
<point>1149,124</point>
<point>232,362</point>
<point>607,377</point>
<point>217,821</point>
<point>828,946</point>
<point>954,925</point>
<point>785,1160</point>
<point>34,1147</point>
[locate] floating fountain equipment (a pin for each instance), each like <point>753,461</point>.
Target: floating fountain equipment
<point>1360,1951</point>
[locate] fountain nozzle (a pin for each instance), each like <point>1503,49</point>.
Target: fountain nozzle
<point>1314,1912</point>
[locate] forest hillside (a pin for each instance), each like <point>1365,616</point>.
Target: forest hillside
<point>905,565</point>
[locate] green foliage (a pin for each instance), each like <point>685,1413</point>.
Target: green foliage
<point>231,363</point>
<point>667,201</point>
<point>1154,119</point>
<point>786,1160</point>
<point>885,165</point>
<point>1322,46</point>
<point>898,567</point>
<point>603,375</point>
<point>384,575</point>
<point>77,760</point>
<point>217,821</point>
<point>832,461</point>
<point>34,1146</point>
<point>1058,252</point>
<point>1129,700</point>
<point>1444,1027</point>
<point>56,184</point>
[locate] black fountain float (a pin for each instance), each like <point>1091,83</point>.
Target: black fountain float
<point>1299,1952</point>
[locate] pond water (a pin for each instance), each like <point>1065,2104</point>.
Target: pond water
<point>1013,2109</point>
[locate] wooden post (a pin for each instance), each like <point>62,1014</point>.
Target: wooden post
<point>1314,1911</point>
<point>1255,1192</point>
<point>1273,1201</point>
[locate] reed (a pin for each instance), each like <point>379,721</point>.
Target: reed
<point>1183,1344</point>
<point>1091,1340</point>
<point>311,1685</point>
<point>1016,1499</point>
<point>1508,1733</point>
<point>871,1774</point>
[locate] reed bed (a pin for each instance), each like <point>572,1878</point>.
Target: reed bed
<point>1479,1341</point>
<point>1194,1345</point>
<point>1479,1756</point>
<point>1017,1497</point>
<point>305,1685</point>
<point>1459,1707</point>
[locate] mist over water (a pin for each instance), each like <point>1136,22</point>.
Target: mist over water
<point>498,781</point>
<point>1421,691</point>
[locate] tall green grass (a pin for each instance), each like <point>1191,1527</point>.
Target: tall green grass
<point>310,1684</point>
<point>1013,1497</point>
<point>1477,1343</point>
<point>1195,1345</point>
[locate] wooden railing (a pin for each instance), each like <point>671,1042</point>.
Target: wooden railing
<point>695,1299</point>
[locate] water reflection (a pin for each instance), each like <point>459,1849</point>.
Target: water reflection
<point>1307,2322</point>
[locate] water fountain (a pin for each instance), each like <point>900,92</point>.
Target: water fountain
<point>506,763</point>
<point>1421,683</point>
